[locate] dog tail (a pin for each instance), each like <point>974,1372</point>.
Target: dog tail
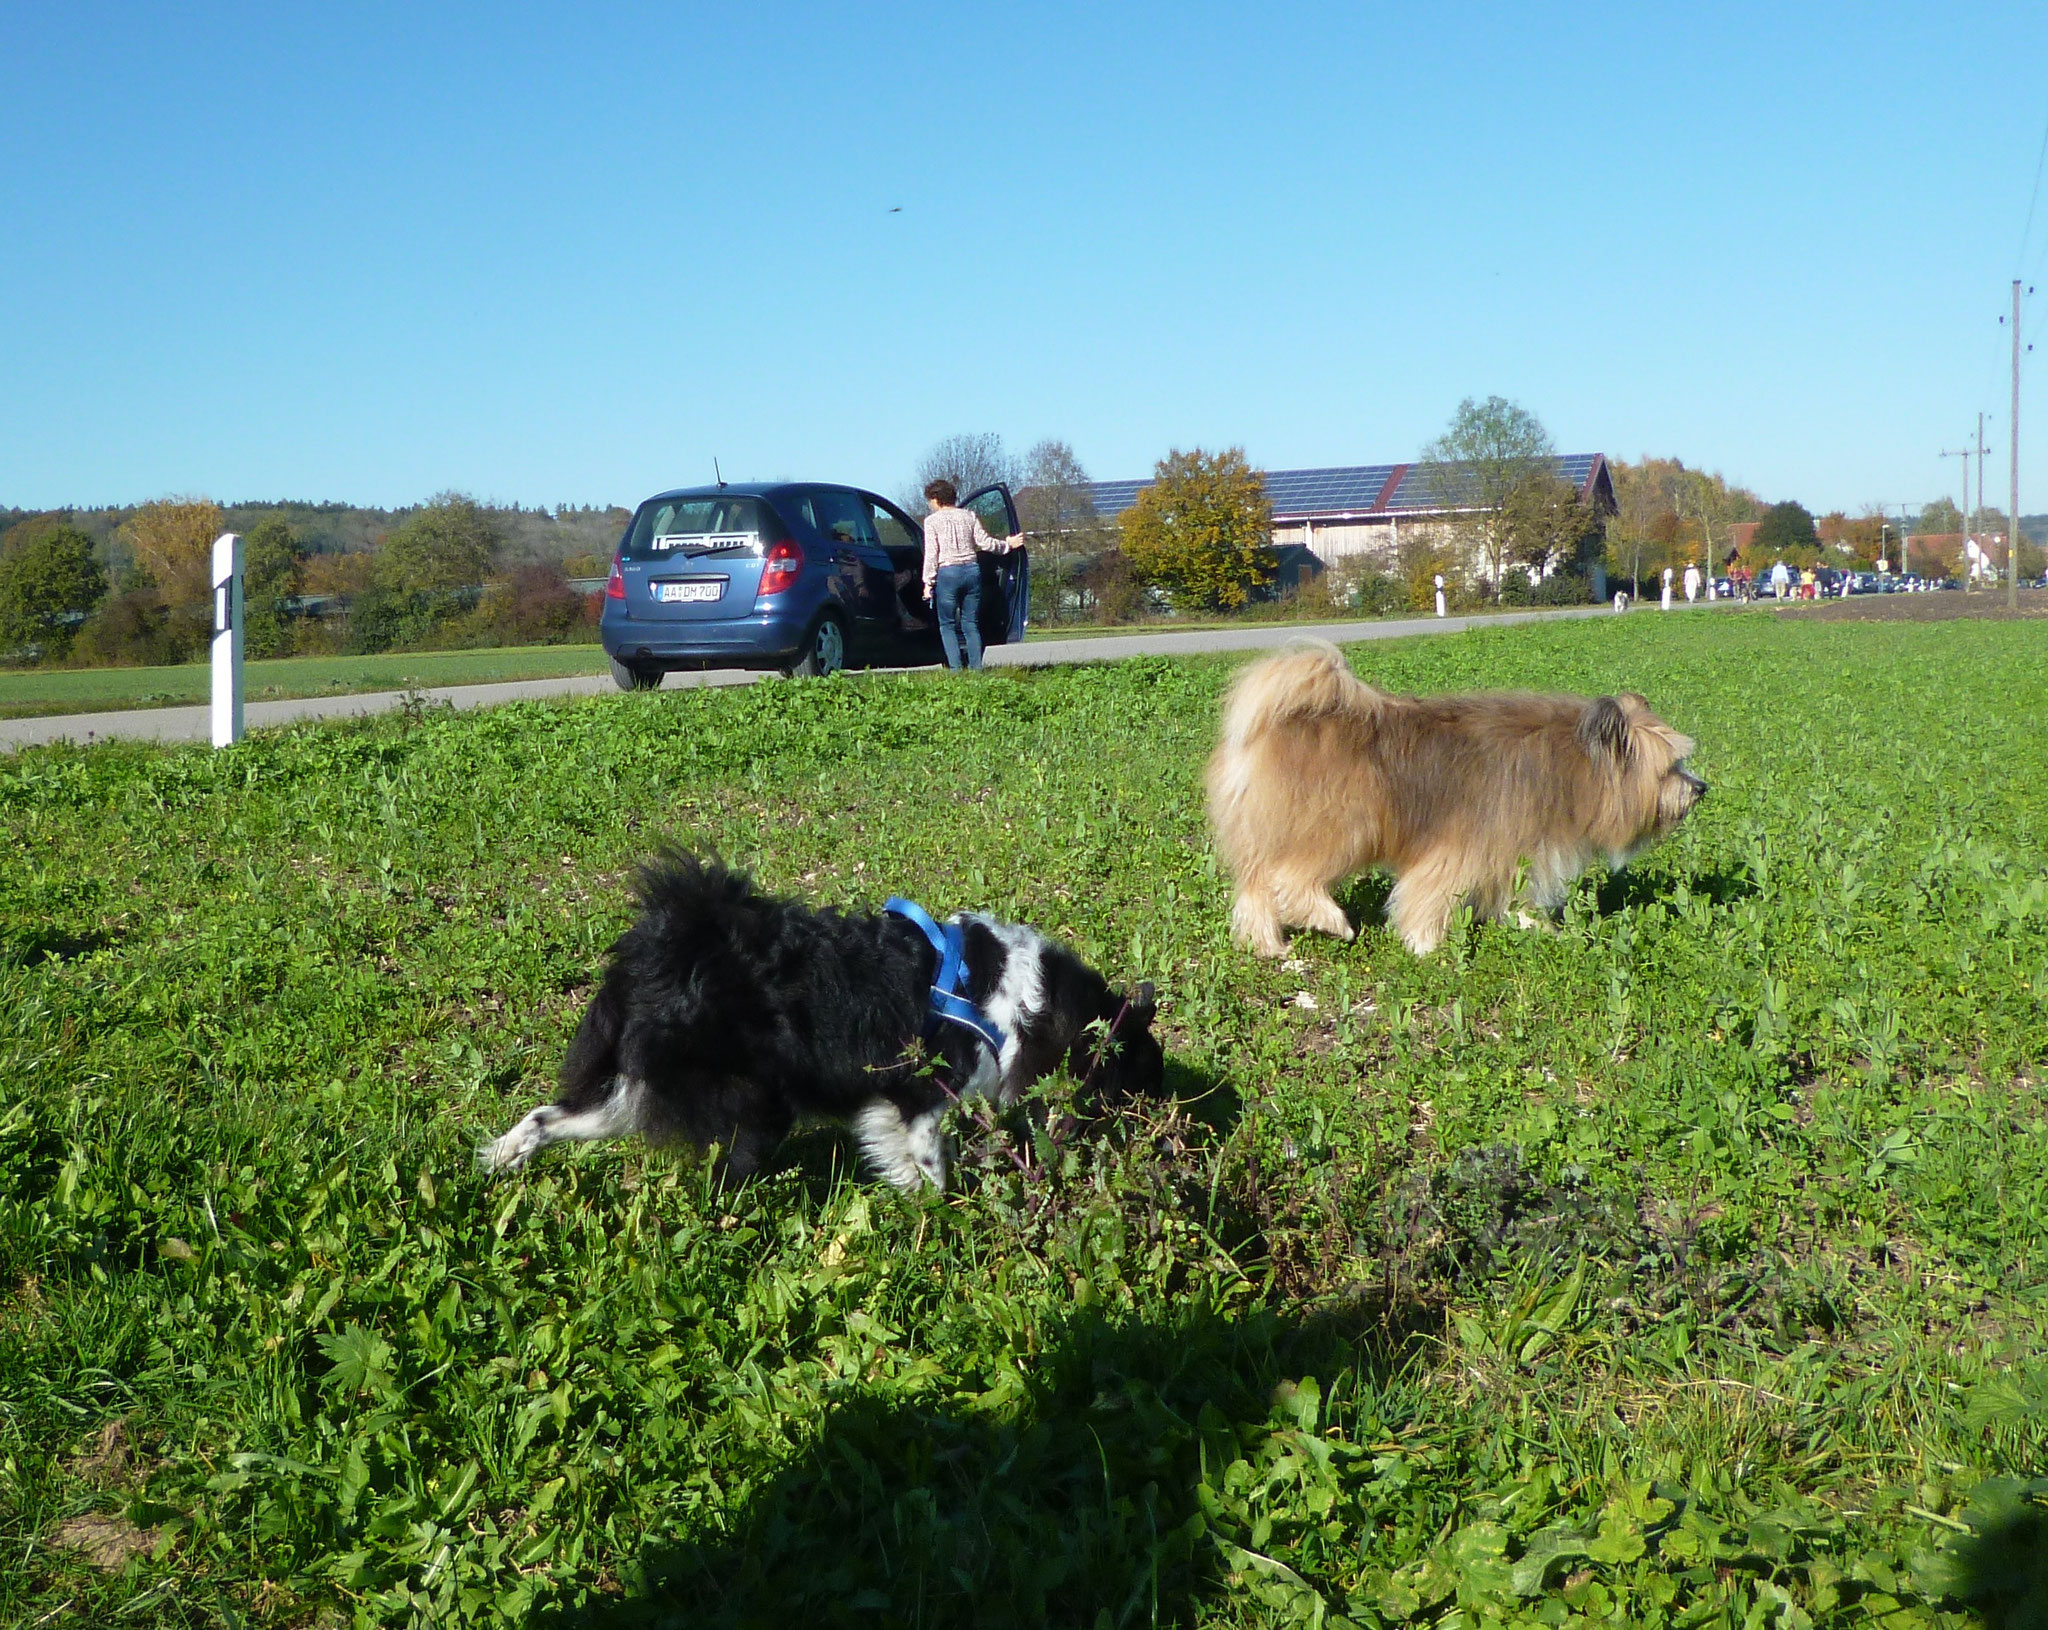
<point>685,906</point>
<point>1308,680</point>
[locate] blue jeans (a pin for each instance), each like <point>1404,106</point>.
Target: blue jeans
<point>956,597</point>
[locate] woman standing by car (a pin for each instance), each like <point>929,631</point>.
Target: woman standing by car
<point>954,542</point>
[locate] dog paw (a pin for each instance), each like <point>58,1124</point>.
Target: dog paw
<point>508,1153</point>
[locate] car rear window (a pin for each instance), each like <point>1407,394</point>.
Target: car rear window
<point>682,527</point>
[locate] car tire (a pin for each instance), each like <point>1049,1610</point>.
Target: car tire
<point>824,650</point>
<point>630,676</point>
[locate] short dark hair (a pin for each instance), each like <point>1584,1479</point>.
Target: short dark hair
<point>943,490</point>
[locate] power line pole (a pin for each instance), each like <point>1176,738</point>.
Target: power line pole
<point>1963,514</point>
<point>1977,517</point>
<point>2012,530</point>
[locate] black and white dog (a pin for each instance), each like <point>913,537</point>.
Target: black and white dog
<point>726,1014</point>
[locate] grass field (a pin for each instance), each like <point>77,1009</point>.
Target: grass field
<point>30,692</point>
<point>1685,1267</point>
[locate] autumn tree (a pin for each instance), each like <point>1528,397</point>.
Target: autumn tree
<point>1202,530</point>
<point>171,541</point>
<point>1489,450</point>
<point>49,581</point>
<point>1670,515</point>
<point>1856,540</point>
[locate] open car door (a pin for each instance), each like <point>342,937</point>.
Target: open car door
<point>1005,578</point>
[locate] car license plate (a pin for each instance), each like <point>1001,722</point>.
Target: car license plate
<point>697,589</point>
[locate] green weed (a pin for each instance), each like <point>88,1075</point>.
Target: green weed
<point>1683,1267</point>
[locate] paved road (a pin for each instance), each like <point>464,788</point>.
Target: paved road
<point>192,723</point>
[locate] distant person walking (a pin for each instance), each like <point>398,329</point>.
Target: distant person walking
<point>954,542</point>
<point>1692,584</point>
<point>1781,581</point>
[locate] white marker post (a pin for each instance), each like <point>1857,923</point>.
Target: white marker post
<point>1439,594</point>
<point>227,639</point>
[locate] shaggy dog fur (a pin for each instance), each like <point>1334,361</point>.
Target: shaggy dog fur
<point>1319,776</point>
<point>726,1014</point>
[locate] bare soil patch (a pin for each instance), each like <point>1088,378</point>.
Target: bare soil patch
<point>107,1541</point>
<point>1921,608</point>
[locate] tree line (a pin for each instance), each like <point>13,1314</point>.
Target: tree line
<point>1672,516</point>
<point>110,588</point>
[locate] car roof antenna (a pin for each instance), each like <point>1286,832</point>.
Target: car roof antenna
<point>716,471</point>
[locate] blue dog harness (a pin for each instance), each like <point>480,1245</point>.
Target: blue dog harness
<point>949,1000</point>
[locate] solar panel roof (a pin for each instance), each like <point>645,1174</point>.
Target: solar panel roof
<point>1354,489</point>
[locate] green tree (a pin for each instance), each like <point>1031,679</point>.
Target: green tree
<point>273,573</point>
<point>425,574</point>
<point>447,546</point>
<point>1939,516</point>
<point>1202,530</point>
<point>1489,450</point>
<point>48,583</point>
<point>1547,523</point>
<point>1787,533</point>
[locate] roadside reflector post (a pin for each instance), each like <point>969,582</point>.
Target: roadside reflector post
<point>227,639</point>
<point>1439,594</point>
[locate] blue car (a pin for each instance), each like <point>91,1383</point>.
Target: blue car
<point>798,576</point>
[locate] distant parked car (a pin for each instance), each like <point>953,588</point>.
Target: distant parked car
<point>798,576</point>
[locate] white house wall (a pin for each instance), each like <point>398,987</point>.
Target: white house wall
<point>1378,543</point>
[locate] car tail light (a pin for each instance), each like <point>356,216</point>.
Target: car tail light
<point>779,571</point>
<point>615,585</point>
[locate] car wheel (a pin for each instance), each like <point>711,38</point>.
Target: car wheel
<point>824,652</point>
<point>629,676</point>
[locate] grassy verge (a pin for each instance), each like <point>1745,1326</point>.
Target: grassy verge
<point>28,693</point>
<point>1280,616</point>
<point>34,692</point>
<point>1687,1266</point>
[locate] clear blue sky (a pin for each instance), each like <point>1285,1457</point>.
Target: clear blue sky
<point>546,253</point>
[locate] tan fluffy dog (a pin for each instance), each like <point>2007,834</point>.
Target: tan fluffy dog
<point>1319,776</point>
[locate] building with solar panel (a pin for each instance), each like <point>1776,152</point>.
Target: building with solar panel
<point>1361,511</point>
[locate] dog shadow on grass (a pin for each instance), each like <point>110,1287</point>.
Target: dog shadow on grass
<point>1077,1504</point>
<point>1630,888</point>
<point>42,943</point>
<point>2001,1569</point>
<point>1365,899</point>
